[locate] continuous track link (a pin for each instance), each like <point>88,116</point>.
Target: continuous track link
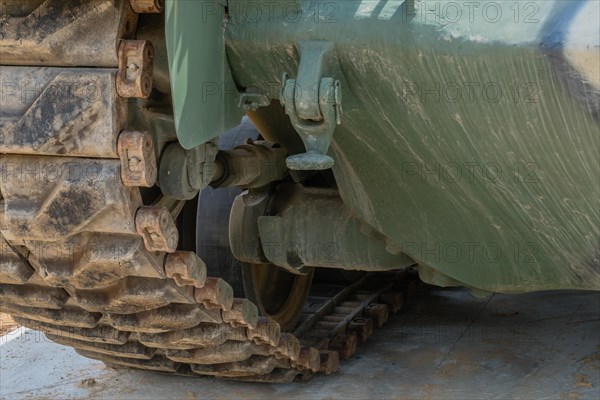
<point>85,261</point>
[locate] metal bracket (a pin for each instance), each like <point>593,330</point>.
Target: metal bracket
<point>136,66</point>
<point>156,226</point>
<point>314,105</point>
<point>138,159</point>
<point>201,165</point>
<point>252,165</point>
<point>182,173</point>
<point>252,101</point>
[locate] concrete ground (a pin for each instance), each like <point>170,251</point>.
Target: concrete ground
<point>448,345</point>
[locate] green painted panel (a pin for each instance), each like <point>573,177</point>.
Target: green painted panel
<point>204,95</point>
<point>470,139</point>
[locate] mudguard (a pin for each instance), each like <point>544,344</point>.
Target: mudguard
<point>204,94</point>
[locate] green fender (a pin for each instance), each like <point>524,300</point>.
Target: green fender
<point>204,93</point>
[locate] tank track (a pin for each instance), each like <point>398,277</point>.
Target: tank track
<point>84,260</point>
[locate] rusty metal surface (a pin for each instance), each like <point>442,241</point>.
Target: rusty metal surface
<point>138,159</point>
<point>186,269</point>
<point>242,313</point>
<point>148,6</point>
<point>136,66</point>
<point>216,293</point>
<point>157,228</point>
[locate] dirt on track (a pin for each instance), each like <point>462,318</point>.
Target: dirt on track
<point>7,324</point>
